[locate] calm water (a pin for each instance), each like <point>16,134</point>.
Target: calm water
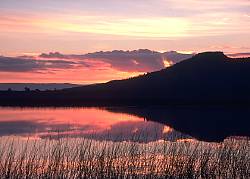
<point>125,124</point>
<point>94,123</point>
<point>130,142</point>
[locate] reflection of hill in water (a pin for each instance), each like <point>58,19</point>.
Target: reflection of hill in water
<point>208,124</point>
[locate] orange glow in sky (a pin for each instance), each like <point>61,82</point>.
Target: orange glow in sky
<point>33,27</point>
<point>167,63</point>
<point>83,76</point>
<point>81,27</point>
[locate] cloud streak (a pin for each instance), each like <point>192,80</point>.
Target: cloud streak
<point>88,68</point>
<point>142,60</point>
<point>93,25</point>
<point>18,64</point>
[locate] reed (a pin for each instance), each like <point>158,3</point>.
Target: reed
<point>85,158</point>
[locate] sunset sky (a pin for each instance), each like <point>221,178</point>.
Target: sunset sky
<point>32,27</point>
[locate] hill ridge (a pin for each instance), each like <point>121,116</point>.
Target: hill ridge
<point>207,78</point>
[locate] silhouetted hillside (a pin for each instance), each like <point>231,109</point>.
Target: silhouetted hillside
<point>206,78</point>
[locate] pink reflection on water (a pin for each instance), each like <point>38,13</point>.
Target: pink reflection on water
<point>100,119</point>
<point>77,122</point>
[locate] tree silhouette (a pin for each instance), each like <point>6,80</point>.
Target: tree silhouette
<point>26,89</point>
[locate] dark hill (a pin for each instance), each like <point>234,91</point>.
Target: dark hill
<point>206,78</point>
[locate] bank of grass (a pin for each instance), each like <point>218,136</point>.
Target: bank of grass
<point>83,158</point>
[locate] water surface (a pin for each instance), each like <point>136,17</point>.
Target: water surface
<point>142,124</point>
<point>93,123</point>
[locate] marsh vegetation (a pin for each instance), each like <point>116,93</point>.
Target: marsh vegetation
<point>84,158</point>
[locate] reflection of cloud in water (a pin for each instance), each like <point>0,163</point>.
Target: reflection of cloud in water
<point>118,124</point>
<point>88,123</point>
<point>124,131</point>
<point>29,127</point>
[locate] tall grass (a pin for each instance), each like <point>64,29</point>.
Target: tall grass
<point>83,158</point>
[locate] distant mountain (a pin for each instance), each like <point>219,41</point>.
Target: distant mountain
<point>34,86</point>
<point>206,78</point>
